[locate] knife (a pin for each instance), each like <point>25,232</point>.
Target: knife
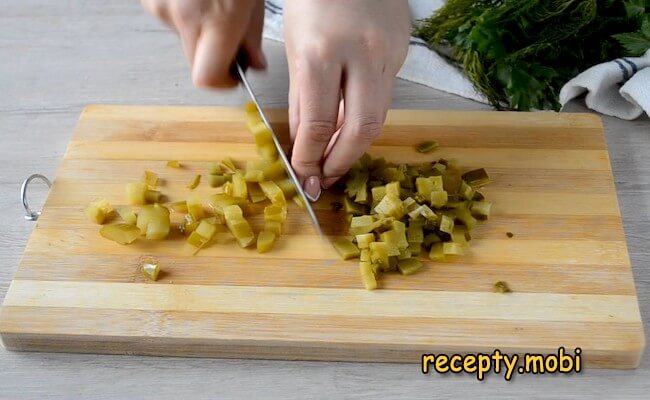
<point>278,147</point>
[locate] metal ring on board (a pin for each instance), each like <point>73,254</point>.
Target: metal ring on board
<point>29,214</point>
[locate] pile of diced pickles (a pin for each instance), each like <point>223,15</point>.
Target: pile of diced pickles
<point>261,179</point>
<point>396,211</point>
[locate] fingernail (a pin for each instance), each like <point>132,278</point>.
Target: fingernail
<point>328,182</point>
<point>312,188</point>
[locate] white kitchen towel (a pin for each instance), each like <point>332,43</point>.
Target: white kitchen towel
<point>620,88</point>
<point>422,65</point>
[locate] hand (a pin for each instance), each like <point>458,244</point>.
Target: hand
<point>343,57</point>
<point>213,32</point>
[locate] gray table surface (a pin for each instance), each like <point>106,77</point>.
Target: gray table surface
<point>56,57</point>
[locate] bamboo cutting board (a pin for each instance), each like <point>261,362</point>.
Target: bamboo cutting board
<point>552,188</point>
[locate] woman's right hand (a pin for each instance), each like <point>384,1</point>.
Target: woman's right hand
<point>213,32</point>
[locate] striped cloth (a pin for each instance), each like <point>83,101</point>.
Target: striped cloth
<point>620,88</point>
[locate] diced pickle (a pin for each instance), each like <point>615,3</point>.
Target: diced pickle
<point>194,182</point>
<point>255,193</point>
<point>153,221</point>
<point>287,187</point>
<point>136,193</point>
<point>393,189</point>
<point>353,208</point>
<point>379,253</point>
<point>452,248</point>
<point>446,224</point>
<point>501,287</point>
<point>409,266</point>
<point>120,233</point>
<point>415,233</point>
<point>427,185</point>
<point>458,235</point>
<point>273,226</point>
<point>152,196</point>
<point>195,207</point>
<point>265,241</point>
<point>206,229</point>
<point>150,268</point>
<point>196,240</point>
<point>476,178</point>
<point>364,255</point>
<point>364,240</point>
<point>378,193</point>
<point>437,252</point>
<point>221,200</point>
<point>227,165</point>
<point>465,216</point>
<point>438,198</point>
<point>404,254</point>
<point>227,188</point>
<point>273,192</point>
<point>239,187</point>
<point>238,226</point>
<point>151,179</point>
<point>98,211</point>
<point>128,215</point>
<point>254,176</point>
<point>214,168</point>
<point>466,191</point>
<point>390,205</point>
<point>174,164</point>
<point>480,209</point>
<point>179,206</point>
<point>367,275</point>
<point>275,213</point>
<point>362,224</point>
<point>218,180</point>
<point>426,147</point>
<point>274,171</point>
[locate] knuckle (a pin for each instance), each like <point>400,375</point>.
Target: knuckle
<point>317,50</point>
<point>366,128</point>
<point>305,167</point>
<point>317,130</point>
<point>372,42</point>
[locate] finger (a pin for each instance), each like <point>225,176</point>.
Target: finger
<point>189,35</point>
<point>216,50</point>
<point>319,85</point>
<point>159,9</point>
<point>364,116</point>
<point>253,41</point>
<point>339,123</point>
<point>294,106</point>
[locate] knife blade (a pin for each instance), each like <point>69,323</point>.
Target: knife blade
<point>278,147</point>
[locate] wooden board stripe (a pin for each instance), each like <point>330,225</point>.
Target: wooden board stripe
<point>235,328</point>
<point>324,302</point>
<point>577,279</point>
<point>524,226</point>
<point>508,179</point>
<point>495,158</point>
<point>481,119</point>
<point>311,247</point>
<point>66,193</point>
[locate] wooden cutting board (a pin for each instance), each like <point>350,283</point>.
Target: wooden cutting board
<point>552,188</point>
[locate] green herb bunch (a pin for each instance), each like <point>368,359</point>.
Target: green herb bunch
<point>519,53</point>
